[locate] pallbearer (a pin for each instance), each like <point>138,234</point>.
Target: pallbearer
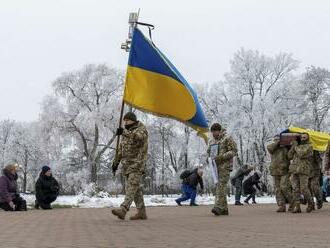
<point>279,169</point>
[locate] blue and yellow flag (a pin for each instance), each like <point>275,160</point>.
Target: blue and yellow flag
<point>318,139</point>
<point>154,85</point>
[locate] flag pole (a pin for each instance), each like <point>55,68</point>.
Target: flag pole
<point>132,21</point>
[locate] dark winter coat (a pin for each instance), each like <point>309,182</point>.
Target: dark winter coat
<point>46,187</point>
<point>250,182</point>
<point>8,186</point>
<point>240,174</point>
<point>193,179</point>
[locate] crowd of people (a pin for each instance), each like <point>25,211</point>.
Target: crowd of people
<point>296,168</point>
<point>298,174</point>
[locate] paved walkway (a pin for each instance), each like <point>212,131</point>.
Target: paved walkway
<point>249,226</point>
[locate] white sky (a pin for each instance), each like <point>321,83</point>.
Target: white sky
<point>40,39</point>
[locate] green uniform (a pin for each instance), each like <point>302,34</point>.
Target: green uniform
<point>224,161</point>
<point>132,154</point>
<point>314,180</point>
<point>300,169</point>
<point>279,169</point>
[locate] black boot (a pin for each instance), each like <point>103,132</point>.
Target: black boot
<point>45,206</point>
<point>193,204</point>
<point>238,203</point>
<point>216,211</point>
<point>36,204</point>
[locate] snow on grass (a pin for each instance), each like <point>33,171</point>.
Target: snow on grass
<point>105,200</point>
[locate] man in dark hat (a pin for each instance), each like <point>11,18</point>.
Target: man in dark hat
<point>132,155</point>
<point>222,150</point>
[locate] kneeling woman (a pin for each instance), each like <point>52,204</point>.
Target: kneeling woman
<point>10,199</point>
<point>47,189</point>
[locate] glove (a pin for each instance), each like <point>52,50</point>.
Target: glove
<point>119,131</point>
<point>294,143</point>
<point>114,167</point>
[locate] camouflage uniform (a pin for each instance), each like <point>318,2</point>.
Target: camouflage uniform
<point>314,180</point>
<point>279,169</point>
<point>224,161</point>
<point>300,169</point>
<point>132,154</point>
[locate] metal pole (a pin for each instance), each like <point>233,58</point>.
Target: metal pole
<point>132,20</point>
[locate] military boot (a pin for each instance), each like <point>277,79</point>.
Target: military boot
<point>119,212</point>
<point>319,204</point>
<point>216,211</point>
<point>313,206</point>
<point>310,207</point>
<point>140,215</point>
<point>281,209</point>
<point>296,208</point>
<point>224,212</point>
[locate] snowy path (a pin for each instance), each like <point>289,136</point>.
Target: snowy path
<point>83,201</point>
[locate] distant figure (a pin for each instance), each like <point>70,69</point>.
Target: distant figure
<point>47,189</point>
<point>249,187</point>
<point>10,199</point>
<point>190,180</point>
<point>237,182</point>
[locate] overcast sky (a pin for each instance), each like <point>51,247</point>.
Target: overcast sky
<point>40,39</point>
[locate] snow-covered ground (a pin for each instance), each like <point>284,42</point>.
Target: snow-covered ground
<point>104,200</point>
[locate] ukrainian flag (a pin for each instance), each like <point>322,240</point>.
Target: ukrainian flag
<point>318,139</point>
<point>154,85</point>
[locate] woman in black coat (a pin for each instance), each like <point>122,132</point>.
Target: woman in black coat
<point>47,189</point>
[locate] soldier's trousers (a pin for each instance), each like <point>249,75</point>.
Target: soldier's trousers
<point>283,190</point>
<point>299,184</point>
<point>315,188</point>
<point>221,189</point>
<point>133,191</point>
<point>238,189</point>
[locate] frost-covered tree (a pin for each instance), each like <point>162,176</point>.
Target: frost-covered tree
<point>86,107</point>
<point>315,86</point>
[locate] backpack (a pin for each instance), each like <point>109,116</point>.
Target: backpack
<point>185,174</point>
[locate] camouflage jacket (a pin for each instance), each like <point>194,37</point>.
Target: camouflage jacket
<point>327,158</point>
<point>226,152</point>
<point>133,149</point>
<point>279,165</point>
<point>316,164</point>
<point>301,156</point>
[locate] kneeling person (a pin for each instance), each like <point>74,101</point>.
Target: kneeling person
<point>47,189</point>
<point>10,200</point>
<point>189,185</point>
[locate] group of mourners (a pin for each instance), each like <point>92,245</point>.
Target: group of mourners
<point>298,173</point>
<point>46,189</point>
<point>296,169</point>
